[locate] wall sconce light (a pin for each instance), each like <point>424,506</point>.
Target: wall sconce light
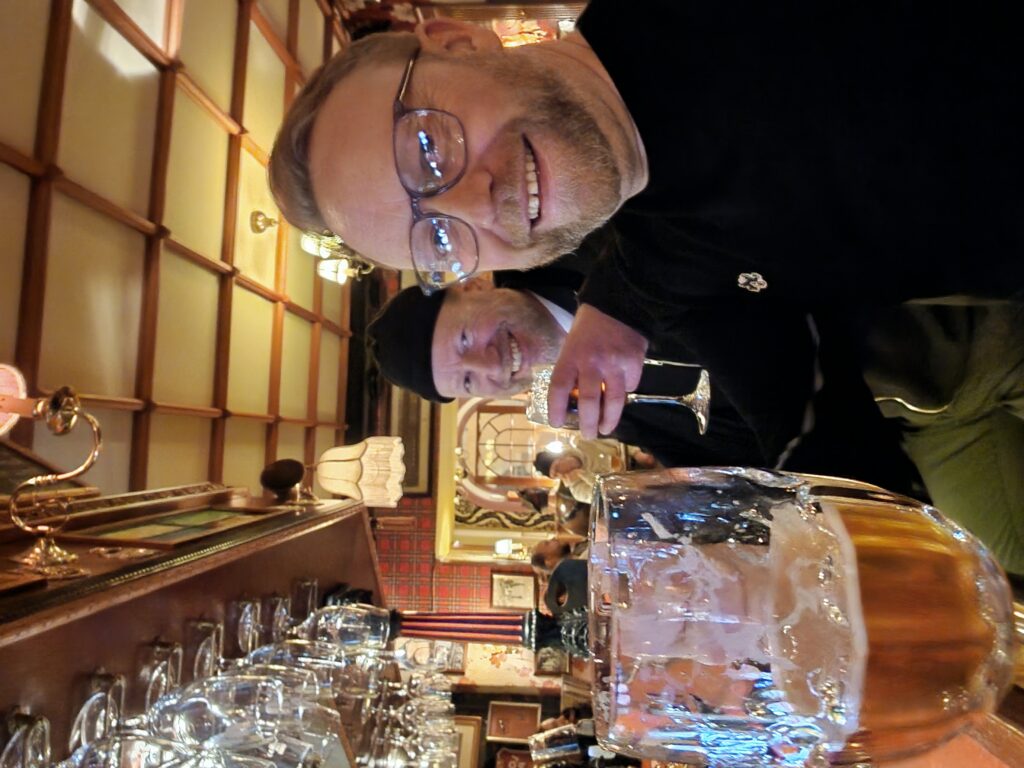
<point>509,549</point>
<point>338,262</point>
<point>259,222</point>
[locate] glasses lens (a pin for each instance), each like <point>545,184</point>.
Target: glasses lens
<point>430,150</point>
<point>444,250</point>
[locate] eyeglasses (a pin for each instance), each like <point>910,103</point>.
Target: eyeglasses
<point>430,157</point>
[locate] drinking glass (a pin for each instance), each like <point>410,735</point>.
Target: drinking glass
<point>698,401</point>
<point>349,625</point>
<point>745,618</point>
<point>557,746</point>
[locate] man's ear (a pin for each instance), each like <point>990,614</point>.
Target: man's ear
<point>455,36</point>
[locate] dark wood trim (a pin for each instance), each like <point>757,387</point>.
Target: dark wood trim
<point>162,148</point>
<point>276,353</point>
<point>187,410</point>
<point>28,343</point>
<point>116,17</point>
<point>244,281</point>
<point>293,29</point>
<point>295,421</point>
<point>27,165</point>
<point>98,203</point>
<point>241,55</point>
<point>313,388</point>
<point>261,155</point>
<point>51,98</point>
<point>265,417</point>
<point>270,444</point>
<point>220,374</point>
<point>213,265</point>
<point>193,90</point>
<point>113,402</point>
<point>301,311</point>
<point>279,46</point>
<point>173,22</point>
<point>325,8</point>
<point>334,328</point>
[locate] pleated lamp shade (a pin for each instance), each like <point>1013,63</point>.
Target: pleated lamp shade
<point>371,471</point>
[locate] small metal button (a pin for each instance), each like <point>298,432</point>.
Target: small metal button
<point>751,281</point>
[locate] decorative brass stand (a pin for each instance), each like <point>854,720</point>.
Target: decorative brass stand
<point>44,518</point>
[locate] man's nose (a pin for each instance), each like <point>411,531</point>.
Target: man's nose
<point>484,361</point>
<point>470,199</point>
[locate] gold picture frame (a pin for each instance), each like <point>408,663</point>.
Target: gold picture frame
<point>469,729</point>
<point>513,722</point>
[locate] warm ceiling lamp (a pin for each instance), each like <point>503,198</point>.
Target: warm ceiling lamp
<point>338,262</point>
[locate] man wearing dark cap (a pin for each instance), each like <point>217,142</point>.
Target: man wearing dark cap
<point>949,379</point>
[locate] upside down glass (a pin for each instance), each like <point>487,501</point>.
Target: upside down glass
<point>746,618</point>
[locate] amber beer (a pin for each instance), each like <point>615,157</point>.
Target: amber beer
<point>933,652</point>
<point>743,617</point>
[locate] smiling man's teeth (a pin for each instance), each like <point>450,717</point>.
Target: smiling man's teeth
<point>532,186</point>
<point>517,355</point>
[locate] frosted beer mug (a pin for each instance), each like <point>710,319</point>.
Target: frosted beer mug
<point>745,618</point>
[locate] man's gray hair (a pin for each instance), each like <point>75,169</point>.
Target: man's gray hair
<point>288,169</point>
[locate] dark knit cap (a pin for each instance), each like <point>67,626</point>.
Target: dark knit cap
<point>400,339</point>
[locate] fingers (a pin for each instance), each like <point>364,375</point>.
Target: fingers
<point>614,400</point>
<point>563,379</point>
<point>589,405</point>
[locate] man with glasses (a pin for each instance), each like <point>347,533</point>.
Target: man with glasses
<point>751,155</point>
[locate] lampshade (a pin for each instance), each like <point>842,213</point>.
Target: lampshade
<point>371,471</point>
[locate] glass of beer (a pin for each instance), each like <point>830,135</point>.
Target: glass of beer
<point>743,618</point>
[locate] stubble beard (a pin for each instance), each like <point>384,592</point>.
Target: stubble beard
<point>555,112</point>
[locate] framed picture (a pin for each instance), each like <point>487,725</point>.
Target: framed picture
<point>168,530</point>
<point>411,419</point>
<point>456,657</point>
<point>550,661</point>
<point>513,758</point>
<point>513,590</point>
<point>512,721</point>
<point>469,729</point>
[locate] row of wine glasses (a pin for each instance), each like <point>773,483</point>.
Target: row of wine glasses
<point>285,704</point>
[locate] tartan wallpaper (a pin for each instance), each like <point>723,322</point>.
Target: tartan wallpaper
<point>413,580</point>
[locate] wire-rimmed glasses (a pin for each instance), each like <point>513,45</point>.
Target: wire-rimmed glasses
<point>430,158</point>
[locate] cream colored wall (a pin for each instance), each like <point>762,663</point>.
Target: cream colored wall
<point>94,287</point>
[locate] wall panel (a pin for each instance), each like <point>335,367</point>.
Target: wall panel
<point>150,15</point>
<point>13,213</point>
<point>291,442</point>
<point>22,45</point>
<point>327,390</point>
<point>179,450</point>
<point>255,254</point>
<point>93,298</point>
<point>249,366</point>
<point>110,472</point>
<point>301,273</point>
<point>295,366</point>
<point>196,178</point>
<point>264,90</point>
<point>109,115</point>
<point>311,36</point>
<point>207,50</point>
<point>186,333</point>
<point>244,453</point>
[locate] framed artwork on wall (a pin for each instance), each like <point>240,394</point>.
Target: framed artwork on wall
<point>513,590</point>
<point>469,730</point>
<point>512,721</point>
<point>412,419</point>
<point>550,661</point>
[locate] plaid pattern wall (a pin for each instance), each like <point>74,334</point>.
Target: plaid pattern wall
<point>414,581</point>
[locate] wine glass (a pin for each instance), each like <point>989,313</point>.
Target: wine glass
<point>745,617</point>
<point>698,401</point>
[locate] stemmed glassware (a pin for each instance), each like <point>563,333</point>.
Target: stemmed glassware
<point>698,401</point>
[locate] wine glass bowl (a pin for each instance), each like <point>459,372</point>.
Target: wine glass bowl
<point>698,402</point>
